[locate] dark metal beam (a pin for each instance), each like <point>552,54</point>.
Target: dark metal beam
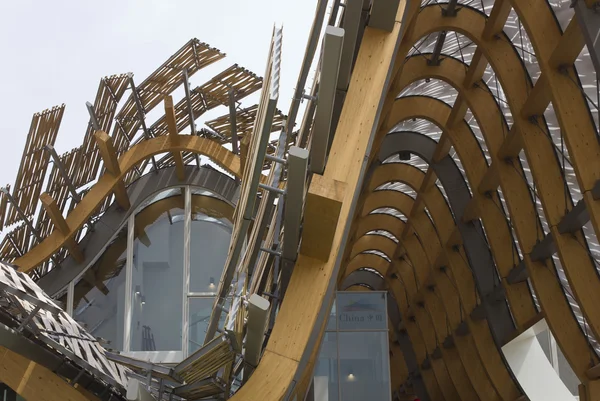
<point>449,11</point>
<point>575,219</point>
<point>50,149</point>
<point>478,254</point>
<point>24,217</point>
<point>233,123</point>
<point>437,50</point>
<point>589,22</point>
<point>141,112</point>
<point>543,249</point>
<point>518,274</point>
<point>188,99</point>
<point>93,117</point>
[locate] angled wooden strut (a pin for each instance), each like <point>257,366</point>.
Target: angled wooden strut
<point>109,155</point>
<point>174,136</point>
<point>59,222</point>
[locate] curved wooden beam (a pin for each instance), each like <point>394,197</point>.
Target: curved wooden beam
<point>540,154</point>
<point>368,260</point>
<point>291,343</point>
<point>436,205</point>
<point>106,184</point>
<point>517,196</point>
<point>473,161</point>
<point>373,242</point>
<point>380,221</point>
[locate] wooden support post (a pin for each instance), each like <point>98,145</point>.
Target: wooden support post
<point>512,145</point>
<point>490,181</point>
<point>324,199</point>
<point>34,382</point>
<point>109,156</point>
<point>174,136</point>
<point>59,222</point>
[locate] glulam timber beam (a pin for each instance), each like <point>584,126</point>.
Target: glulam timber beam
<point>51,207</point>
<point>111,164</point>
<point>547,284</point>
<point>35,382</point>
<point>494,25</point>
<point>174,136</point>
<point>446,228</point>
<point>287,359</point>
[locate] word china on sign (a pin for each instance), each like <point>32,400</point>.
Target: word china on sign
<point>35,310</point>
<point>361,311</point>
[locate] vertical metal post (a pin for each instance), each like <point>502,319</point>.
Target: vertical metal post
<point>93,117</point>
<point>309,54</point>
<point>297,168</point>
<point>56,159</point>
<point>21,214</point>
<point>141,112</point>
<point>70,297</point>
<point>188,98</point>
<point>352,13</point>
<point>233,123</point>
<point>589,21</point>
<point>187,232</point>
<point>332,51</point>
<point>129,284</point>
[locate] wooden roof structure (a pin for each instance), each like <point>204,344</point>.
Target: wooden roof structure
<point>462,178</point>
<point>66,178</point>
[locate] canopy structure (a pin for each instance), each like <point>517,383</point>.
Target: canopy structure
<point>448,154</point>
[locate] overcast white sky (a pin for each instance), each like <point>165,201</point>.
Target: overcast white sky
<point>55,52</point>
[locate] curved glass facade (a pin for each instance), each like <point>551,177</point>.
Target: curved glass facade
<point>160,272</point>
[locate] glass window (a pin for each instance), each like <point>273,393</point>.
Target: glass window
<point>364,366</point>
<point>208,251</point>
<point>99,297</point>
<point>157,277</point>
<point>326,386</point>
<point>199,315</point>
<point>353,362</point>
<point>331,320</point>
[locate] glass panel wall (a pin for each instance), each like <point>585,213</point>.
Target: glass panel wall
<point>353,362</point>
<point>151,292</point>
<point>157,277</point>
<point>99,295</point>
<point>209,247</point>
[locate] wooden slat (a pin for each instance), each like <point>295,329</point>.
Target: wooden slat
<point>211,94</point>
<point>34,162</point>
<point>110,91</point>
<point>193,56</point>
<point>245,120</point>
